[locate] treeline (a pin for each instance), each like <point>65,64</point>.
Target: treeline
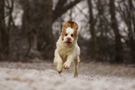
<point>110,25</point>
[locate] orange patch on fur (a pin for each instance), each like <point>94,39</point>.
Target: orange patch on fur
<point>70,24</point>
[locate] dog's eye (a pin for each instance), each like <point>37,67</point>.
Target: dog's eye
<point>72,35</point>
<point>65,34</point>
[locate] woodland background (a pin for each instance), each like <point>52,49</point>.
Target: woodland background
<point>29,29</point>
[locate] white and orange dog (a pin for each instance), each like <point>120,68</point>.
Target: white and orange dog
<point>67,49</point>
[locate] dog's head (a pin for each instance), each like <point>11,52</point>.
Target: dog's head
<point>69,32</point>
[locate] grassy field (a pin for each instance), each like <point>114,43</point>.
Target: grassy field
<point>43,76</point>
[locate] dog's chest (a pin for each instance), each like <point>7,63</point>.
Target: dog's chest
<point>64,52</point>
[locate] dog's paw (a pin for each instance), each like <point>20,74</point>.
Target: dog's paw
<point>59,68</point>
<point>59,71</point>
<point>66,66</point>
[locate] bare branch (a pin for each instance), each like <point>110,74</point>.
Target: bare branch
<point>82,12</point>
<point>63,9</point>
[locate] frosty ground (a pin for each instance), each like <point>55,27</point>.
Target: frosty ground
<point>43,76</point>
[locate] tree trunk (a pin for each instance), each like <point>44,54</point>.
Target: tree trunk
<point>45,37</point>
<point>114,25</point>
<point>38,16</point>
<point>92,30</point>
<point>4,40</point>
<point>131,31</point>
<point>45,32</point>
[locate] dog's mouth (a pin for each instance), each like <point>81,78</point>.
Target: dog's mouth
<point>68,42</point>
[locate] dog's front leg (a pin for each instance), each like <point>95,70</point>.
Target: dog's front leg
<point>58,62</point>
<point>68,62</point>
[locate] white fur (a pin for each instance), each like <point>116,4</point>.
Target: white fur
<point>65,55</point>
<point>69,31</point>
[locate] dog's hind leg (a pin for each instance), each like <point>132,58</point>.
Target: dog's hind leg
<point>76,61</point>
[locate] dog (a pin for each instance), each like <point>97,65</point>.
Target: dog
<point>67,49</point>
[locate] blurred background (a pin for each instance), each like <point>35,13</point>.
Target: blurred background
<point>29,29</point>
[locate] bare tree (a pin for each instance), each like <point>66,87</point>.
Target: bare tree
<point>38,15</point>
<point>127,11</point>
<point>130,24</point>
<point>4,40</point>
<point>61,8</point>
<point>92,23</point>
<point>114,25</point>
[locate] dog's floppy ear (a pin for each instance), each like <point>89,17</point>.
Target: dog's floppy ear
<point>75,26</point>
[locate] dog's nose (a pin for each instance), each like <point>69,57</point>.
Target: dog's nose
<point>68,39</point>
